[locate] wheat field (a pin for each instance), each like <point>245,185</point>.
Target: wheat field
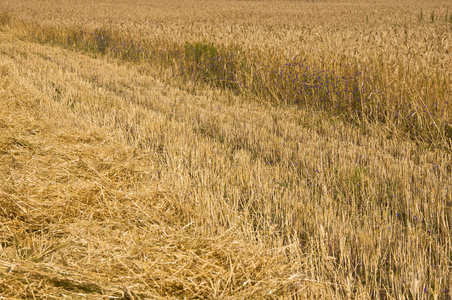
<point>225,149</point>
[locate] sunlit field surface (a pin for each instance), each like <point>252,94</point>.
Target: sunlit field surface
<point>225,149</point>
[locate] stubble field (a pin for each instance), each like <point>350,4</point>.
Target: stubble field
<point>225,149</point>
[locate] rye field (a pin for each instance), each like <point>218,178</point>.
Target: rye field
<point>201,149</point>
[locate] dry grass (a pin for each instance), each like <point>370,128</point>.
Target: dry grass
<point>121,177</point>
<point>85,216</point>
